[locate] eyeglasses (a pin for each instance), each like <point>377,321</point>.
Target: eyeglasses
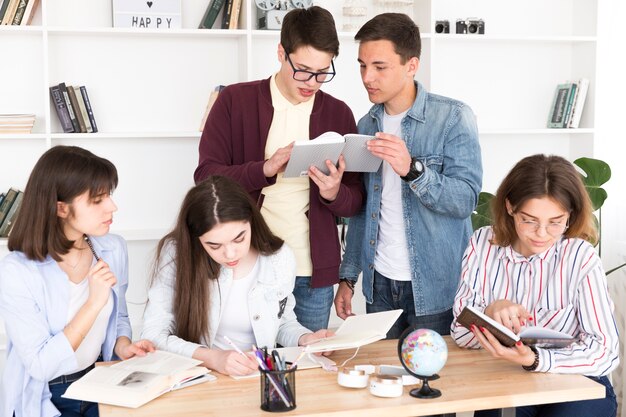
<point>553,229</point>
<point>304,75</point>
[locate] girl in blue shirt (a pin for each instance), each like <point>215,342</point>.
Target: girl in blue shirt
<point>62,287</point>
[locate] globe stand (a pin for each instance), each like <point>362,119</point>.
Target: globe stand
<point>425,391</point>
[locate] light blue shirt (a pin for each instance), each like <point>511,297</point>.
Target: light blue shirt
<point>441,132</point>
<point>34,301</point>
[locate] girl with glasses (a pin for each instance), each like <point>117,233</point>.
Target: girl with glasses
<point>537,266</point>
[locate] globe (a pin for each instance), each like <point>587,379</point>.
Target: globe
<point>423,353</point>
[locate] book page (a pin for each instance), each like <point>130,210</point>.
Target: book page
<point>358,158</point>
<point>158,362</point>
<point>357,331</point>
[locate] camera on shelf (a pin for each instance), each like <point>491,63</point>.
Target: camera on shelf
<point>272,12</point>
<point>471,25</point>
<point>442,26</point>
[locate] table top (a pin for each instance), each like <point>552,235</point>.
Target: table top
<point>471,380</point>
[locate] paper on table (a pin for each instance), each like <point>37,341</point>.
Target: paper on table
<point>290,354</point>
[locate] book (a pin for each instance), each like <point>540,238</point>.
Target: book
<point>9,12</point>
<point>357,331</point>
<point>61,109</point>
<point>293,354</point>
<point>82,110</point>
<point>31,7</point>
<point>212,98</point>
<point>136,381</point>
<point>79,118</point>
<point>92,119</point>
<point>16,123</point>
<point>9,220</point>
<point>328,146</point>
<point>558,113</point>
<point>70,108</point>
<point>228,7</point>
<point>234,15</point>
<point>19,12</point>
<point>210,15</point>
<point>8,201</point>
<point>579,103</point>
<point>4,4</point>
<point>533,335</point>
<point>570,103</point>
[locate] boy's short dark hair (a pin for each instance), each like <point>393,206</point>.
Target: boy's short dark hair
<point>314,27</point>
<point>397,28</point>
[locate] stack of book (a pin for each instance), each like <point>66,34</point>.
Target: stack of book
<point>17,12</point>
<point>73,108</point>
<point>230,14</point>
<point>568,104</point>
<point>16,123</point>
<point>10,203</point>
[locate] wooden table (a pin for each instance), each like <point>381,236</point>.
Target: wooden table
<point>471,380</point>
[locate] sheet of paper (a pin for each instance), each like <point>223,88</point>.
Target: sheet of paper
<point>158,362</point>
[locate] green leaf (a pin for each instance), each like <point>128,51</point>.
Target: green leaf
<point>596,173</point>
<point>482,215</point>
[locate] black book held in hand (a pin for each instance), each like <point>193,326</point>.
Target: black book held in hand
<point>536,336</point>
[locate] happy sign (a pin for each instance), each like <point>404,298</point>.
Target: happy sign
<point>149,14</point>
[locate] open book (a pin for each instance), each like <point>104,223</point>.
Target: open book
<point>537,336</point>
<point>134,382</point>
<point>357,331</point>
<point>329,146</point>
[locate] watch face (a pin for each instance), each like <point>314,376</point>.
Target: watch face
<point>302,4</point>
<point>419,166</point>
<point>267,4</point>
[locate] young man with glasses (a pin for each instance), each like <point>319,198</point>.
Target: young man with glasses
<point>249,135</point>
<point>409,240</point>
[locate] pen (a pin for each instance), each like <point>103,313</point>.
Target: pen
<point>95,255</point>
<point>283,395</point>
<point>277,362</point>
<point>234,346</point>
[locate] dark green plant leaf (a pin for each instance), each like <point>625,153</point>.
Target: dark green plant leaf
<point>482,215</point>
<point>596,173</point>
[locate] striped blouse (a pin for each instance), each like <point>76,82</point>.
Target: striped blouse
<point>564,288</point>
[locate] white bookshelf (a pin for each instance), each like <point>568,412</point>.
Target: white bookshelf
<point>149,89</point>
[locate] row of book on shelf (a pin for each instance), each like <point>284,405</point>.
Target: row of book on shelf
<point>230,15</point>
<point>10,203</point>
<point>16,123</point>
<point>568,104</point>
<point>73,108</point>
<point>17,12</point>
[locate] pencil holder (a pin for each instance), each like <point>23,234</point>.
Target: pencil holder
<point>278,389</point>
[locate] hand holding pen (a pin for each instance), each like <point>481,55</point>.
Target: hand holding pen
<point>234,362</point>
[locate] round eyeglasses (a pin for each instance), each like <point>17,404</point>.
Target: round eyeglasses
<point>304,75</point>
<point>553,229</point>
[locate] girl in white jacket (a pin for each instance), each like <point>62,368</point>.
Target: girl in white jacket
<point>220,275</point>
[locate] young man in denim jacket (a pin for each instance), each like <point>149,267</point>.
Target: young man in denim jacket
<point>409,238</point>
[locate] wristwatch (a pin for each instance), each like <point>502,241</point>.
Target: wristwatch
<point>416,170</point>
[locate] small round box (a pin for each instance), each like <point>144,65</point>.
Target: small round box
<point>352,378</point>
<point>386,385</point>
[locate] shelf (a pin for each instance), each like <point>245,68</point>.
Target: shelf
<point>127,135</point>
<point>109,31</point>
<point>22,136</point>
<point>535,131</point>
<point>25,30</point>
<point>130,235</point>
<point>511,38</point>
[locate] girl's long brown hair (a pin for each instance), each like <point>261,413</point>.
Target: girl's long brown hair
<point>540,176</point>
<point>213,201</point>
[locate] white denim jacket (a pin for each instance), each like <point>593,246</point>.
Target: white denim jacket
<point>275,282</point>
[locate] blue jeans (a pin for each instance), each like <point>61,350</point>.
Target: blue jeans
<point>312,304</point>
<point>602,407</point>
<point>390,294</point>
<point>71,408</point>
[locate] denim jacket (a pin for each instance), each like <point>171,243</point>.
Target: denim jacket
<point>442,133</point>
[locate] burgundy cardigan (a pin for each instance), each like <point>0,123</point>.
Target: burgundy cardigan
<point>233,145</point>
